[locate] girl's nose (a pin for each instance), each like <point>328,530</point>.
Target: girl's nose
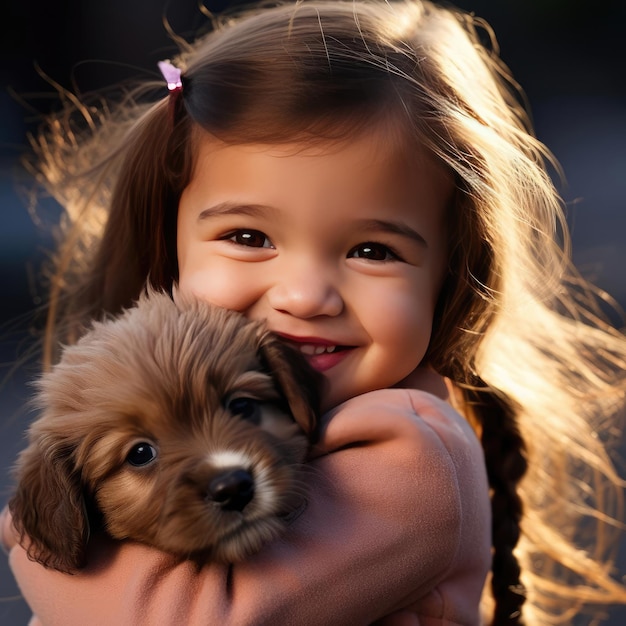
<point>306,293</point>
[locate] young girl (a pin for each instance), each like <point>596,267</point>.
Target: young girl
<point>361,176</point>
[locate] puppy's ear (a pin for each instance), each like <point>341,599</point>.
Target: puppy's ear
<point>49,509</point>
<point>300,384</point>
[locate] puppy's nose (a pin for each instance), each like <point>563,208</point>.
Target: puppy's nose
<point>232,490</point>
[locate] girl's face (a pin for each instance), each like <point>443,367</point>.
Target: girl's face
<point>341,249</point>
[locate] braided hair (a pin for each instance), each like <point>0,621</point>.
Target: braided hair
<point>506,465</point>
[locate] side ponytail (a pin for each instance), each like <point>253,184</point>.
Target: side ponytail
<point>143,176</point>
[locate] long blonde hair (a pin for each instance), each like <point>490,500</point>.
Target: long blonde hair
<point>518,332</point>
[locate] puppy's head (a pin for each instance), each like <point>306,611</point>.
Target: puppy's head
<point>180,426</point>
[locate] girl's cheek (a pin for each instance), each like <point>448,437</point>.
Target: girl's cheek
<point>220,287</point>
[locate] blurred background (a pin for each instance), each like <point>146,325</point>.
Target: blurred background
<point>567,54</point>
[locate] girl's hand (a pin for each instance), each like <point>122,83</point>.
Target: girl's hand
<point>7,532</point>
<point>8,542</point>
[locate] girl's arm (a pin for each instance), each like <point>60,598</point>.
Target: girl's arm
<point>398,518</point>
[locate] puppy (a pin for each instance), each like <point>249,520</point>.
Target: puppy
<point>183,426</point>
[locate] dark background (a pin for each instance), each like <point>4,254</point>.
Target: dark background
<point>568,54</point>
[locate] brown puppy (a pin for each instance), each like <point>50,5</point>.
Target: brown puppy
<point>182,426</point>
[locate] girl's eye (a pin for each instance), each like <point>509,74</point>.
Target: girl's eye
<point>250,238</point>
<point>373,252</point>
<point>246,408</point>
<point>141,454</point>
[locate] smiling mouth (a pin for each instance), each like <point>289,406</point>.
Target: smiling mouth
<point>321,354</point>
<point>314,349</point>
<point>323,357</point>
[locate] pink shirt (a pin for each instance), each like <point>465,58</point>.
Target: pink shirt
<point>397,529</point>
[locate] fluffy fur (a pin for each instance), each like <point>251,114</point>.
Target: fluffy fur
<point>182,426</point>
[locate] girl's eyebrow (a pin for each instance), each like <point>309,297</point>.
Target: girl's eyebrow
<point>394,227</point>
<point>234,208</point>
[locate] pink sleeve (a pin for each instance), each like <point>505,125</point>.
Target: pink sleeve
<point>398,510</point>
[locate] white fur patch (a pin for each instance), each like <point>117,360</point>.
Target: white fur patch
<point>230,458</point>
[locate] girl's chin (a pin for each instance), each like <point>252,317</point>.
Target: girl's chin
<point>335,396</point>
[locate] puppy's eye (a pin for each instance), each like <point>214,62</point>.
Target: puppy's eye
<point>141,454</point>
<point>247,408</point>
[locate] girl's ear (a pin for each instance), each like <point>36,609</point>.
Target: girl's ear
<point>299,383</point>
<point>48,507</point>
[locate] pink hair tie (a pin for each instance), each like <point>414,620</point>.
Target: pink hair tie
<point>172,75</point>
<point>173,78</point>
